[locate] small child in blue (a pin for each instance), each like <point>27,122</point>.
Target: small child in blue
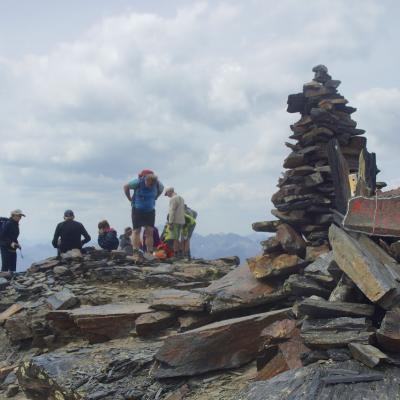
<point>107,239</point>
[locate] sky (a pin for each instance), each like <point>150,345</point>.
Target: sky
<point>92,92</point>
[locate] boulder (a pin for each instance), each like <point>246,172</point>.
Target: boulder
<point>290,240</point>
<point>337,332</point>
<point>269,266</point>
<point>154,322</point>
<point>282,357</point>
<point>302,286</point>
<point>100,323</point>
<point>371,276</point>
<point>172,299</point>
<point>311,382</point>
<point>367,354</point>
<point>220,345</point>
<point>239,289</point>
<point>388,335</point>
<point>326,309</point>
<point>62,300</point>
<point>74,254</point>
<point>313,252</point>
<point>266,226</point>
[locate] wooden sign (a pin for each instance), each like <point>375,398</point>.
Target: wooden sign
<point>374,215</point>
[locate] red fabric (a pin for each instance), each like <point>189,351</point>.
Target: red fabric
<point>145,172</point>
<point>163,246</point>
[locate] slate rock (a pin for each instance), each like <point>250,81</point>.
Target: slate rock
<point>172,299</point>
<point>286,357</point>
<point>371,276</point>
<point>62,300</point>
<point>3,283</point>
<point>268,266</point>
<point>290,240</point>
<point>74,254</point>
<point>388,335</point>
<point>299,285</point>
<point>265,226</point>
<point>239,289</point>
<point>367,354</point>
<point>326,309</point>
<point>337,332</point>
<point>153,323</point>
<point>220,345</point>
<point>306,383</point>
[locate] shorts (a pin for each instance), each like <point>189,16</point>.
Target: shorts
<point>143,218</point>
<point>176,230</point>
<point>187,231</point>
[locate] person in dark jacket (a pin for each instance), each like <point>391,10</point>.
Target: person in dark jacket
<point>107,239</point>
<point>9,242</point>
<point>68,234</point>
<point>125,241</point>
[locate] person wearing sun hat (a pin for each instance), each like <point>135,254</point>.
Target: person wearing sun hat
<point>9,241</point>
<point>176,217</point>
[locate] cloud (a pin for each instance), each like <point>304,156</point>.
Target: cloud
<point>199,96</point>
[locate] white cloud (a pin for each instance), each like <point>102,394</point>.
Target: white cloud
<point>198,96</point>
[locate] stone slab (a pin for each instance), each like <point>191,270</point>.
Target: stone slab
<point>220,345</point>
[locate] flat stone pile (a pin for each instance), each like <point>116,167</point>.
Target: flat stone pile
<point>306,191</point>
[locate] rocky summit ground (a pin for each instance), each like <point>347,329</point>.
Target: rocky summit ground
<point>69,328</point>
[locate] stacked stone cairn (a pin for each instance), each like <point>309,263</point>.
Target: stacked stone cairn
<point>306,191</point>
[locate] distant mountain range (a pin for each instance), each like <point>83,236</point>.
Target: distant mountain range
<point>209,247</point>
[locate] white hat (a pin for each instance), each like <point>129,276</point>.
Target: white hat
<point>17,212</point>
<point>169,190</point>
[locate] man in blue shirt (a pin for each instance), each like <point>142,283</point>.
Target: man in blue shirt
<point>146,190</point>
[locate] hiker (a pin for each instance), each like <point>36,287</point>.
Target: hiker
<point>156,239</point>
<point>107,239</point>
<point>125,241</point>
<point>9,241</point>
<point>176,218</point>
<point>187,231</point>
<point>146,190</point>
<point>69,232</point>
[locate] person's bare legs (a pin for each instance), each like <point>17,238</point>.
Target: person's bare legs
<point>136,238</point>
<point>176,247</point>
<point>149,239</point>
<point>186,247</point>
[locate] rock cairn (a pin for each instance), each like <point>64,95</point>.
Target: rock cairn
<point>306,191</point>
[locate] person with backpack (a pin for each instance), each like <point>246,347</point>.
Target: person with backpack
<point>125,241</point>
<point>68,234</point>
<point>146,190</point>
<point>187,231</point>
<point>9,232</point>
<point>107,239</point>
<point>176,218</point>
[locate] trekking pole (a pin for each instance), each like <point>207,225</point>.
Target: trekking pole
<point>20,252</point>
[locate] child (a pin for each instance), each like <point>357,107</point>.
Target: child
<point>107,239</point>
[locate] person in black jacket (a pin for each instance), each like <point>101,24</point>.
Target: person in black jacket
<point>9,242</point>
<point>107,239</point>
<point>68,233</point>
